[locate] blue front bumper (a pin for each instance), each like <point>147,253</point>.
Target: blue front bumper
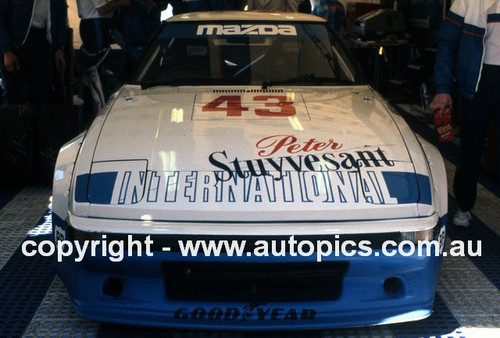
<point>138,294</point>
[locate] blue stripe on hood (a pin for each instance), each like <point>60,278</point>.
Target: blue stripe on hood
<point>408,187</point>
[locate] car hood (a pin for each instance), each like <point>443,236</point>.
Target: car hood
<point>246,154</point>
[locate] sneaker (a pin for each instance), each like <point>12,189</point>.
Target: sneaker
<point>462,218</point>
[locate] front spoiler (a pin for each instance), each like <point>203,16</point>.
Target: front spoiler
<point>142,299</point>
<point>375,289</point>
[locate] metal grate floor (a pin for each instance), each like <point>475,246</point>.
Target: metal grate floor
<point>34,303</point>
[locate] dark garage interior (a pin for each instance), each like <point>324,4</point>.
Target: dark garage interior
<point>395,51</point>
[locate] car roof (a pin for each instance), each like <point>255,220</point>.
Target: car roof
<point>244,15</point>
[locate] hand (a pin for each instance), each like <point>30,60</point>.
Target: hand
<point>440,102</point>
<point>11,62</point>
<point>60,60</point>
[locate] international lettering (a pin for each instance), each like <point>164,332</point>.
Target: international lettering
<point>338,187</point>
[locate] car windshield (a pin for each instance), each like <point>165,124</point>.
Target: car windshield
<point>242,53</point>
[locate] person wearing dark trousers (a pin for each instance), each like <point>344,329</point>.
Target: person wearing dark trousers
<point>32,39</point>
<point>178,6</point>
<point>137,23</point>
<point>305,7</point>
<point>332,11</point>
<point>96,26</point>
<point>211,5</point>
<point>274,5</point>
<point>468,57</point>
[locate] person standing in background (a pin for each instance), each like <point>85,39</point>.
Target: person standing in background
<point>274,5</point>
<point>178,6</point>
<point>137,23</point>
<point>332,11</point>
<point>32,37</point>
<point>305,7</point>
<point>96,29</point>
<point>468,56</point>
<point>211,5</point>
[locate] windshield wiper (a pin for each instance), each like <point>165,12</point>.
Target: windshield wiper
<point>307,79</point>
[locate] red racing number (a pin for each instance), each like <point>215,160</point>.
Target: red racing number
<point>233,106</point>
<point>286,107</point>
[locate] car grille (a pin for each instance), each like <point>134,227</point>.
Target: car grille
<point>253,282</point>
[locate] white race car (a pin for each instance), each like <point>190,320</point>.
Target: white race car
<point>249,179</point>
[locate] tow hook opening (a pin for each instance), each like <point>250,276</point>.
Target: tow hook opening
<point>393,285</point>
<point>112,286</point>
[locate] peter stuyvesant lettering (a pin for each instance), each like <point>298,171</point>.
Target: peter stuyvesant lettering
<point>308,171</point>
<point>314,163</point>
<point>247,313</point>
<point>289,143</point>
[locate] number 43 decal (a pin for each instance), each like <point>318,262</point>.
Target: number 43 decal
<point>275,105</point>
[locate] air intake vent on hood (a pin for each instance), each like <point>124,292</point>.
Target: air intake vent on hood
<point>248,90</point>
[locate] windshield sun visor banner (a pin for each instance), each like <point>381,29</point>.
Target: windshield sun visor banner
<point>230,29</point>
<point>246,29</point>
